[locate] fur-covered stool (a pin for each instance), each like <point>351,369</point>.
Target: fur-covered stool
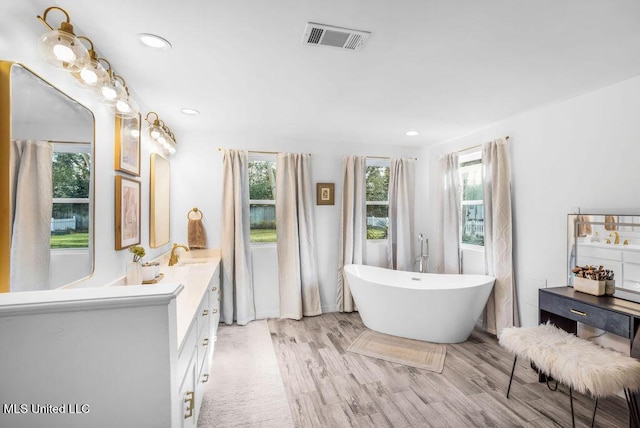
<point>577,363</point>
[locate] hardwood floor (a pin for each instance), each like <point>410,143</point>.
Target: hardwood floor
<point>329,387</point>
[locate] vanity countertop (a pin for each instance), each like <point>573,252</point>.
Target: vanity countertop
<point>195,275</point>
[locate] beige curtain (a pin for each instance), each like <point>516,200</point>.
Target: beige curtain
<point>449,219</point>
<point>352,248</point>
<point>31,193</point>
<point>400,239</point>
<point>501,310</point>
<point>237,286</point>
<point>297,275</point>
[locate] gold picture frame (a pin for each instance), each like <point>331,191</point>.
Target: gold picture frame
<point>325,193</point>
<point>127,213</point>
<point>127,150</point>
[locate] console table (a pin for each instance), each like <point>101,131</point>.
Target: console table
<point>565,307</point>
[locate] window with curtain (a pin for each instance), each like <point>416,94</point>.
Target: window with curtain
<point>377,183</point>
<point>71,188</point>
<point>262,198</point>
<point>472,199</point>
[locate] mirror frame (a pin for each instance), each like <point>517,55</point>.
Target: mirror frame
<point>5,154</point>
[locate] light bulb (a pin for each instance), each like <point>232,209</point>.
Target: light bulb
<point>89,76</point>
<point>109,93</point>
<point>123,106</point>
<point>64,53</point>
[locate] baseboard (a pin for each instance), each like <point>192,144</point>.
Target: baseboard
<point>329,308</point>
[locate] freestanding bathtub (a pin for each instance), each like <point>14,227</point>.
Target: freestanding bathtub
<point>423,306</point>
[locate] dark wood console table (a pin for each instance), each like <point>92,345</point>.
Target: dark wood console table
<point>565,307</point>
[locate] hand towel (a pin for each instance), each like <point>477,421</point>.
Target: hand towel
<point>196,234</point>
<point>584,225</point>
<point>610,223</point>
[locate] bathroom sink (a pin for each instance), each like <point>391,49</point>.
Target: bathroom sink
<point>193,261</point>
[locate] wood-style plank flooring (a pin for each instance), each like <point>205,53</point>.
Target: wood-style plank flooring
<point>327,386</point>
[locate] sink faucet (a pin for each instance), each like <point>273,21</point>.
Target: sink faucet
<point>617,235</point>
<point>173,259</point>
<point>422,260</point>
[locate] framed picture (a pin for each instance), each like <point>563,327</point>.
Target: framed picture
<point>127,212</point>
<point>128,145</point>
<point>325,193</point>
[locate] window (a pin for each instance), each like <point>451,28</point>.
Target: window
<point>71,189</point>
<point>377,182</point>
<point>262,195</point>
<point>472,199</point>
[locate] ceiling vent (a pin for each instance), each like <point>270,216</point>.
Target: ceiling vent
<point>328,35</point>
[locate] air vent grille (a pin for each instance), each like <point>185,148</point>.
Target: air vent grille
<point>328,35</point>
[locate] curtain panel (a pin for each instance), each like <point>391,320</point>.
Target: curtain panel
<point>352,247</point>
<point>31,184</point>
<point>237,282</point>
<point>400,239</point>
<point>449,217</point>
<point>297,261</point>
<point>501,310</point>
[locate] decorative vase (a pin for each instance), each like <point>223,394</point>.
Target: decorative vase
<point>134,273</point>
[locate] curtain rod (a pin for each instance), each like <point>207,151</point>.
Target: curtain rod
<point>260,151</point>
<point>67,142</point>
<point>478,145</point>
<point>383,157</point>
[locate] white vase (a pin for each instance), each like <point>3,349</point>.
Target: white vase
<point>134,273</point>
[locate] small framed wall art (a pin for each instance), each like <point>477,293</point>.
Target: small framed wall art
<point>127,150</point>
<point>127,212</point>
<point>325,193</point>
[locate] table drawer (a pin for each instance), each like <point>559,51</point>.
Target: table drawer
<point>604,319</point>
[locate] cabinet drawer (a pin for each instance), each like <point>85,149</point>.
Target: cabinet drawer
<point>186,352</point>
<point>203,316</point>
<point>631,256</point>
<point>632,272</point>
<point>600,253</point>
<point>596,317</point>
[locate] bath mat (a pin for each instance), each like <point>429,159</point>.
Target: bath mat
<point>415,353</point>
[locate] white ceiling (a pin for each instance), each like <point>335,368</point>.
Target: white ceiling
<point>443,68</point>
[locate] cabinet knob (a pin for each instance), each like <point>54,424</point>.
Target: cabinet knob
<point>205,313</point>
<point>214,311</point>
<point>205,342</point>
<point>206,378</point>
<point>190,401</point>
<point>214,288</point>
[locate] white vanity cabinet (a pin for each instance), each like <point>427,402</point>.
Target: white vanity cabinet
<point>622,260</point>
<point>125,356</point>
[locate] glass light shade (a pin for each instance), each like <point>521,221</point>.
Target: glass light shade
<point>132,129</point>
<point>126,108</point>
<point>63,50</point>
<point>111,91</point>
<point>155,132</point>
<point>92,75</point>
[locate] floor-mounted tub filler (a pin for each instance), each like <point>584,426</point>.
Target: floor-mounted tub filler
<point>423,306</point>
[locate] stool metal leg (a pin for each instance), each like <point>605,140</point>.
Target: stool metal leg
<point>593,417</point>
<point>573,421</point>
<point>513,369</point>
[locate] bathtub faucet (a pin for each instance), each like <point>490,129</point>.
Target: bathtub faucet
<point>422,260</point>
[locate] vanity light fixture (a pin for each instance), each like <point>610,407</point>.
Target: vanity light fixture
<point>61,48</point>
<point>190,111</point>
<point>411,133</point>
<point>154,41</point>
<point>159,135</point>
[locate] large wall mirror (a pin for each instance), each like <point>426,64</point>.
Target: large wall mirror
<point>611,241</point>
<point>159,231</point>
<point>47,186</point>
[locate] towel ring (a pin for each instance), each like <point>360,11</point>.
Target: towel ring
<point>197,211</point>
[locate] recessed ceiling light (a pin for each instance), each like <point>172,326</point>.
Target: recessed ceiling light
<point>411,133</point>
<point>154,41</point>
<point>190,111</point>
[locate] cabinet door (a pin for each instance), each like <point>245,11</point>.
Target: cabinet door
<point>188,396</point>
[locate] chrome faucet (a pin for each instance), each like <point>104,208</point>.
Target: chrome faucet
<point>173,258</point>
<point>617,235</point>
<point>422,260</point>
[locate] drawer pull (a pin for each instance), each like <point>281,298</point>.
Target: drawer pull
<point>574,311</point>
<point>191,403</point>
<point>205,313</point>
<point>214,311</point>
<point>205,342</point>
<point>206,378</point>
<point>214,288</point>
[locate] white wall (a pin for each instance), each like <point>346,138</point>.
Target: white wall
<point>581,153</point>
<point>197,182</point>
<point>19,32</point>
